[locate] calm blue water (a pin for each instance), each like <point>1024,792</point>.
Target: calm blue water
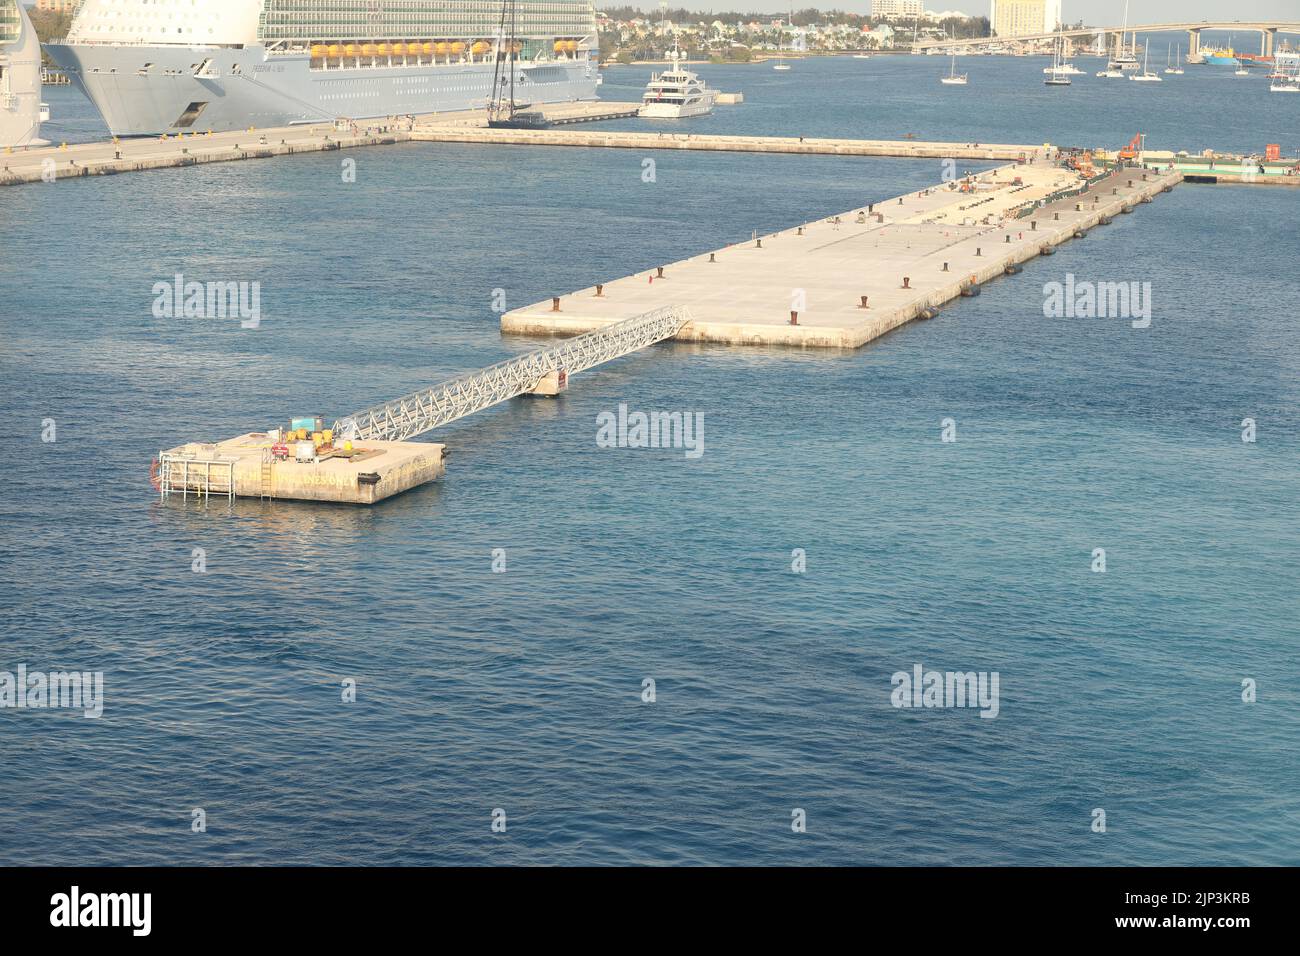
<point>522,690</point>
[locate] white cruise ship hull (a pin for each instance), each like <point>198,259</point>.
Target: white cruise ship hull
<point>143,90</point>
<point>20,86</point>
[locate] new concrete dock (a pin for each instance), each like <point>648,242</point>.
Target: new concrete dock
<point>438,132</point>
<point>845,280</point>
<point>68,161</point>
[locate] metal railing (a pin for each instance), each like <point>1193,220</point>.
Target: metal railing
<point>442,404</point>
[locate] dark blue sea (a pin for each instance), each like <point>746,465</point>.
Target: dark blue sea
<point>522,690</point>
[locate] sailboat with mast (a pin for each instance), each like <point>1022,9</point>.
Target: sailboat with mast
<point>1177,68</point>
<point>953,78</point>
<point>780,63</point>
<point>1146,76</point>
<point>1124,60</point>
<point>503,112</point>
<point>1057,75</point>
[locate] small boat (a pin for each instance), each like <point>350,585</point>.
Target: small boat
<point>780,63</point>
<point>1146,76</point>
<point>954,78</point>
<point>1176,69</point>
<point>1289,85</point>
<point>862,56</point>
<point>1241,69</point>
<point>1056,76</point>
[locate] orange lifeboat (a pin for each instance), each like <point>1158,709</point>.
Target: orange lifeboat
<point>428,49</point>
<point>385,49</point>
<point>367,49</point>
<point>457,48</point>
<point>319,50</point>
<point>480,46</point>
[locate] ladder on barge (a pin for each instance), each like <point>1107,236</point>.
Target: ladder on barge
<point>411,415</point>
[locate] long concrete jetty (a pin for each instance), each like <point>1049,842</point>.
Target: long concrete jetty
<point>628,139</point>
<point>843,281</point>
<point>106,158</point>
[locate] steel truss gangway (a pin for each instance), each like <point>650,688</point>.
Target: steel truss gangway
<point>431,408</point>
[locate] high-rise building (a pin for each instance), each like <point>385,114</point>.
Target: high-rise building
<point>897,9</point>
<point>1016,18</point>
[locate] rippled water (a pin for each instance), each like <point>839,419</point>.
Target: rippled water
<point>522,690</point>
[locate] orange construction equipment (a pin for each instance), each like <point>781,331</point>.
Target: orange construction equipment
<point>1130,151</point>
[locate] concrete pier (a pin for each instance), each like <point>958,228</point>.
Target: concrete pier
<point>242,467</point>
<point>843,281</point>
<point>50,163</point>
<point>808,146</point>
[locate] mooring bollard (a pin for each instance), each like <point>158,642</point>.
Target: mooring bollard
<point>794,318</point>
<point>864,303</point>
<point>907,282</point>
<point>1056,217</point>
<point>713,257</point>
<point>799,231</point>
<point>760,243</point>
<point>1008,239</point>
<point>661,273</point>
<point>1033,225</point>
<point>555,303</point>
<point>945,267</point>
<point>978,252</point>
<point>600,290</point>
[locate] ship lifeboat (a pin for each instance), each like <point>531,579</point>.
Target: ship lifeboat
<point>318,51</point>
<point>442,49</point>
<point>401,49</point>
<point>480,47</point>
<point>350,49</point>
<point>368,49</point>
<point>385,49</point>
<point>457,48</point>
<point>571,46</point>
<point>333,50</point>
<point>559,46</point>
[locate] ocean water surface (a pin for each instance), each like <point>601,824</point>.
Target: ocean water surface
<point>522,690</point>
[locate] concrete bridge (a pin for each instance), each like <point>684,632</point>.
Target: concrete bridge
<point>1268,30</point>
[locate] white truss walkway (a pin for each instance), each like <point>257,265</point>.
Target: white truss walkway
<point>432,408</point>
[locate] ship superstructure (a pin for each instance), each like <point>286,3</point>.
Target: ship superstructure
<point>20,78</point>
<point>221,65</point>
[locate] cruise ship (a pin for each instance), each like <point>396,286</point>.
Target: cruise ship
<point>155,68</point>
<point>20,78</point>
